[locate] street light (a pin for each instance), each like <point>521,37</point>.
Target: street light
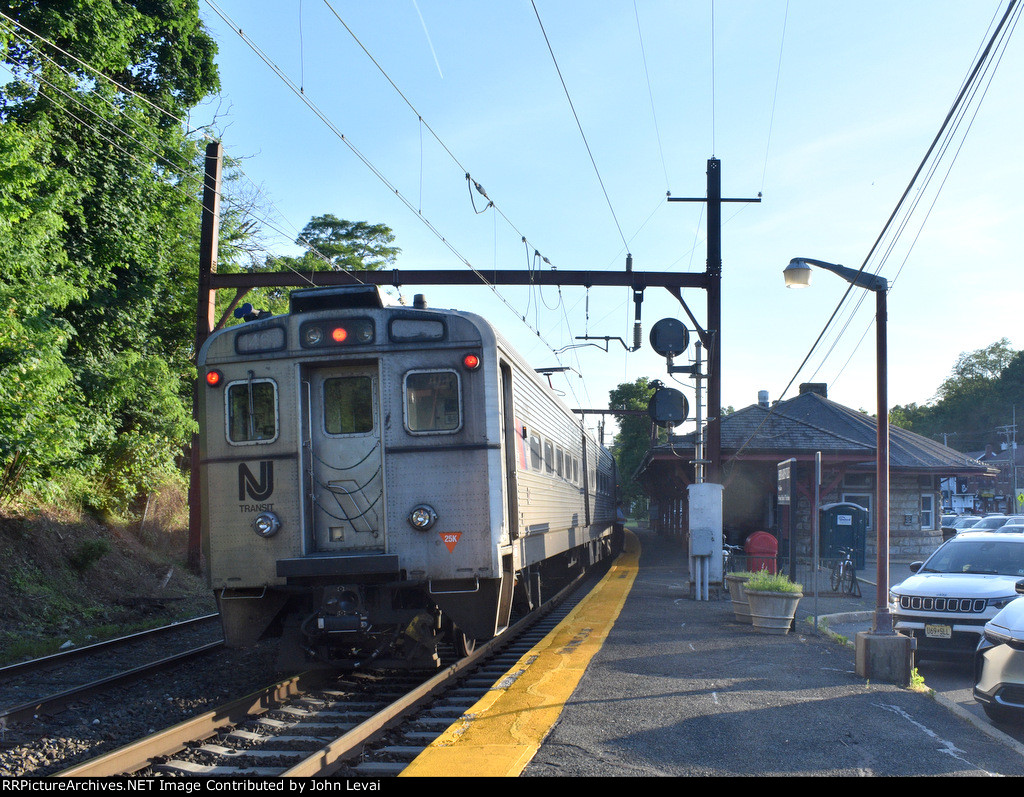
<point>798,275</point>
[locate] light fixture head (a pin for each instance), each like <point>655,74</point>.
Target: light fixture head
<point>797,273</point>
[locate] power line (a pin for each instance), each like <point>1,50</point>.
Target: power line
<point>650,93</point>
<point>579,124</point>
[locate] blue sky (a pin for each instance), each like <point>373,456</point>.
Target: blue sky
<point>825,108</point>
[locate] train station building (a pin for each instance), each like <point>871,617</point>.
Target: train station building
<point>756,439</point>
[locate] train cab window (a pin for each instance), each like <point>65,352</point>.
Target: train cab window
<point>348,405</point>
<point>251,411</point>
<point>433,402</point>
<point>536,458</point>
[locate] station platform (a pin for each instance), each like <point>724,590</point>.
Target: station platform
<point>642,680</point>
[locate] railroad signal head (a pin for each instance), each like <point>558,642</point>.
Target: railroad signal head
<point>668,407</point>
<point>669,337</point>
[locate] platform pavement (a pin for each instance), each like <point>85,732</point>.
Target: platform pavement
<point>680,688</point>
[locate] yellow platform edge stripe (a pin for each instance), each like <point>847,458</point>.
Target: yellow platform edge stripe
<point>503,731</point>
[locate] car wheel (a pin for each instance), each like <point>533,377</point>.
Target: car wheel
<point>1002,714</point>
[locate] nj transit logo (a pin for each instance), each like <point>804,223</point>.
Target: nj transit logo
<point>257,489</point>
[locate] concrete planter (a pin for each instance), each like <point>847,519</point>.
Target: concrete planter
<point>772,612</point>
<point>740,604</point>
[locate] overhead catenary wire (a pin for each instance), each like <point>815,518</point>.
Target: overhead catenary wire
<point>182,170</point>
<point>650,94</point>
<point>579,124</point>
<point>981,62</point>
<point>305,98</point>
<point>973,90</point>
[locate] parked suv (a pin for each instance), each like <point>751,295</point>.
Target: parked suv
<point>999,664</point>
<point>959,588</point>
<point>954,527</point>
<point>990,523</point>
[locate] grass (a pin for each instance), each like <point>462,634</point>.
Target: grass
<point>763,581</point>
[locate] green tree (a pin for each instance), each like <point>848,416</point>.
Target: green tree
<point>101,200</point>
<point>977,397</point>
<point>334,244</point>
<point>331,244</point>
<point>634,437</point>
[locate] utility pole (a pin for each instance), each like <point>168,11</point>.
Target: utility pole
<point>711,338</point>
<point>210,281</point>
<point>205,308</point>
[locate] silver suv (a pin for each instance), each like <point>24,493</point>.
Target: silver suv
<point>999,664</point>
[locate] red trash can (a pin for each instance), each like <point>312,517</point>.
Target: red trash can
<point>761,549</point>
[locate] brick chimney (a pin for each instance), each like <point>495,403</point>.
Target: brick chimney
<point>821,388</point>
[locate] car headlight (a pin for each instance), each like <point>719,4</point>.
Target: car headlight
<point>422,517</point>
<point>266,524</point>
<point>999,603</point>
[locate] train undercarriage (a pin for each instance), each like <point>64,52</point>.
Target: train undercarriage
<point>394,625</point>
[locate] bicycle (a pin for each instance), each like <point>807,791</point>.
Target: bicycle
<point>844,574</point>
<point>731,558</point>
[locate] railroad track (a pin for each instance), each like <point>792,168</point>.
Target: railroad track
<point>47,685</point>
<point>365,725</point>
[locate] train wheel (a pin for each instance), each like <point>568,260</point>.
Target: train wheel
<point>463,644</point>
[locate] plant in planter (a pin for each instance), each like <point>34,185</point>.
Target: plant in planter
<point>773,599</point>
<point>735,583</point>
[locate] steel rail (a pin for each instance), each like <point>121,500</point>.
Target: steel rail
<point>138,755</point>
<point>56,702</point>
<point>328,759</point>
<point>67,655</point>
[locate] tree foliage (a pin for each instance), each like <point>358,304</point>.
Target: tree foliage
<point>634,437</point>
<point>971,404</point>
<point>98,193</point>
<point>100,206</point>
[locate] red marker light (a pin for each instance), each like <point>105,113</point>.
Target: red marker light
<point>213,378</point>
<point>471,362</point>
<point>338,334</point>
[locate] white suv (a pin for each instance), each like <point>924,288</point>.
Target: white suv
<point>959,588</point>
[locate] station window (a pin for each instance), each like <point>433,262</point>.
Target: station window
<point>252,411</point>
<point>432,402</point>
<point>348,405</point>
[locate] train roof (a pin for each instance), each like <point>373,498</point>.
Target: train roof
<point>373,297</point>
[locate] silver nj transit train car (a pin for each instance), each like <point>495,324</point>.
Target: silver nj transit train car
<point>378,479</point>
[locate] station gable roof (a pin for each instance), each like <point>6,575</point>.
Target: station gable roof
<point>810,423</point>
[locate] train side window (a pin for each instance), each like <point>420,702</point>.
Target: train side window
<point>251,411</point>
<point>559,461</point>
<point>433,402</point>
<point>348,405</point>
<point>549,457</point>
<point>536,458</point>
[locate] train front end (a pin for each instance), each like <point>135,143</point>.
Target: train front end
<point>351,480</point>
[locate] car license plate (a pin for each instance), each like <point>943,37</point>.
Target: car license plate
<point>934,631</point>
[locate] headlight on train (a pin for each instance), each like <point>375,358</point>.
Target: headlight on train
<point>312,336</point>
<point>422,517</point>
<point>266,524</point>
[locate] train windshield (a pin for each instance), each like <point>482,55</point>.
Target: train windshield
<point>432,401</point>
<point>348,405</point>
<point>252,411</point>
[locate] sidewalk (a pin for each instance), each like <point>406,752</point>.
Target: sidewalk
<point>679,688</point>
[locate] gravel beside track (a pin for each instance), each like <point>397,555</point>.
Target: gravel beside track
<point>103,723</point>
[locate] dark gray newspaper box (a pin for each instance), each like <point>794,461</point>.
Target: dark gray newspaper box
<point>843,526</point>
